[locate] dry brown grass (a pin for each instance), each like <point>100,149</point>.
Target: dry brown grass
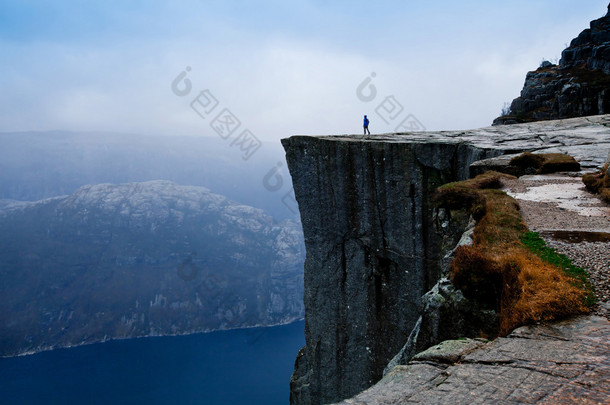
<point>546,293</point>
<point>498,271</point>
<point>542,291</point>
<point>467,194</point>
<point>599,183</point>
<point>545,162</point>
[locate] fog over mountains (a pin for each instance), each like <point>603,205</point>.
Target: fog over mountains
<point>37,165</point>
<point>125,255</point>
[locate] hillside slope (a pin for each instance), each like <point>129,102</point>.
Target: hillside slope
<point>136,259</point>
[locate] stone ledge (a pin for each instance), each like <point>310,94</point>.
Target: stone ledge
<point>559,363</point>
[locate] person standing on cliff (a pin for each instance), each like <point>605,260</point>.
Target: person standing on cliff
<point>366,125</point>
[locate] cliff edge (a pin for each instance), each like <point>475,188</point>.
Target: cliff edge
<point>565,363</point>
<point>375,244</point>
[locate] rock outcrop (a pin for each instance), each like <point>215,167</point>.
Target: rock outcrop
<point>372,251</point>
<point>578,86</point>
<point>376,244</point>
<point>565,363</point>
<point>138,259</point>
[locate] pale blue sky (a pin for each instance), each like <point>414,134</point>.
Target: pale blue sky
<point>282,67</point>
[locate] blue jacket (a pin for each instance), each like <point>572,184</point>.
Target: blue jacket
<point>366,122</point>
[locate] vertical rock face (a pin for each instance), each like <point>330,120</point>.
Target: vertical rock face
<point>372,248</point>
<point>375,243</point>
<point>591,48</point>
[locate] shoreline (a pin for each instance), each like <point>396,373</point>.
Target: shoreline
<point>71,346</point>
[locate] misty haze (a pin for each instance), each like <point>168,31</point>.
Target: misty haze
<point>152,248</point>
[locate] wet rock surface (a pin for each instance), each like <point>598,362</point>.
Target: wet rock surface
<point>559,203</point>
<point>562,363</point>
<point>571,220</point>
<point>587,139</point>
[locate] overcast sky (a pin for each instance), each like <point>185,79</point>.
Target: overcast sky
<point>279,67</point>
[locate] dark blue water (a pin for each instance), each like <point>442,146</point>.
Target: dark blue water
<point>247,366</point>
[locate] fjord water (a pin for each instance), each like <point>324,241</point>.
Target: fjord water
<point>244,366</point>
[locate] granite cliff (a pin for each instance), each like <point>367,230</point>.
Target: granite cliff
<point>138,259</point>
<point>563,363</point>
<point>579,85</point>
<point>372,251</point>
<point>375,244</point>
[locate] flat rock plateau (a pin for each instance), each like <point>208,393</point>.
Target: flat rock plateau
<point>563,363</point>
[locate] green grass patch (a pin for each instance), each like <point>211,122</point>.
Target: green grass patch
<point>504,269</point>
<point>535,244</point>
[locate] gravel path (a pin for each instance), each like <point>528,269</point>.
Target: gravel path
<point>554,204</point>
<point>593,257</point>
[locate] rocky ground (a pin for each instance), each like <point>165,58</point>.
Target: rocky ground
<point>563,363</point>
<point>595,258</point>
<point>560,363</point>
<point>571,220</point>
<point>347,186</point>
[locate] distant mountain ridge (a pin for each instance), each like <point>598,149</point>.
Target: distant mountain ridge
<point>37,165</point>
<point>137,259</point>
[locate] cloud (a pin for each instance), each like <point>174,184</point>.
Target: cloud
<point>281,68</point>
